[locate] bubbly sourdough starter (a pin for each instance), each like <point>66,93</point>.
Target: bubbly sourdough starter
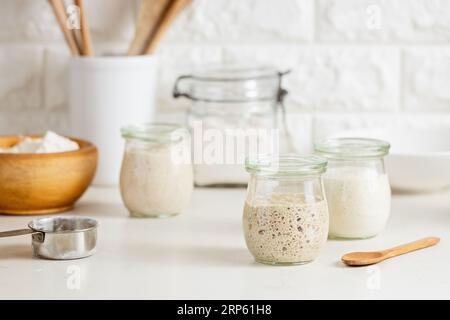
<point>285,229</point>
<point>359,201</point>
<point>152,184</point>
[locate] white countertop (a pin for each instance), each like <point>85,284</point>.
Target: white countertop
<point>201,254</point>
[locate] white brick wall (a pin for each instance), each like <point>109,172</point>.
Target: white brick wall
<point>356,63</point>
<point>427,79</point>
<point>225,21</point>
<point>407,21</point>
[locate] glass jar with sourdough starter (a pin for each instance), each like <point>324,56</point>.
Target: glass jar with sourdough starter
<point>285,214</point>
<point>156,178</point>
<point>356,186</point>
<point>233,112</point>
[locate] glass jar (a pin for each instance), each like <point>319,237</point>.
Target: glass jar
<point>285,214</point>
<point>356,185</point>
<point>233,112</point>
<point>156,178</point>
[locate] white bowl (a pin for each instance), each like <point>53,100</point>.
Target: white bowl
<point>419,160</point>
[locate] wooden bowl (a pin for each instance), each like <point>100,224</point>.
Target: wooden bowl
<point>44,183</point>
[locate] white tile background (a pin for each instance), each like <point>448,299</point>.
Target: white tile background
<point>350,69</point>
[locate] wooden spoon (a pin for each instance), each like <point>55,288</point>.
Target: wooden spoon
<point>150,14</point>
<point>86,48</point>
<point>174,9</point>
<point>61,17</point>
<point>367,258</point>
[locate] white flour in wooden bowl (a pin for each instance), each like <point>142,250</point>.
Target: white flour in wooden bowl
<point>49,143</point>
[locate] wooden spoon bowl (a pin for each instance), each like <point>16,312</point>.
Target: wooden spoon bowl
<point>372,257</point>
<point>44,183</point>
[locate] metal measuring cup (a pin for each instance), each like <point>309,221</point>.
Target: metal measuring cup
<point>60,238</point>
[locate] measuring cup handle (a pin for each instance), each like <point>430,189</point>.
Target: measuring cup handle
<point>13,233</point>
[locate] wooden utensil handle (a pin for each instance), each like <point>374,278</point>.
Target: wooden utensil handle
<point>175,7</point>
<point>150,14</point>
<point>412,246</point>
<point>86,48</point>
<point>60,14</point>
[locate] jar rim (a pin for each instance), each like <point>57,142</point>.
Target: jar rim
<point>155,132</point>
<point>231,84</point>
<point>234,73</point>
<point>352,148</point>
<point>286,165</point>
